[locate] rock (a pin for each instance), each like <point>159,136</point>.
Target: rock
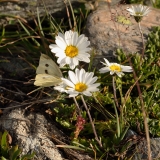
<point>30,132</point>
<point>33,132</point>
<point>93,4</point>
<point>138,146</point>
<point>14,65</point>
<point>111,28</point>
<point>141,150</point>
<point>27,9</point>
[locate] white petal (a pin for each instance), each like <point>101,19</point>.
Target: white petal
<point>91,80</point>
<point>62,62</point>
<point>72,65</point>
<point>83,58</point>
<point>77,73</point>
<point>73,77</point>
<point>87,93</point>
<point>104,70</point>
<point>75,61</point>
<point>72,93</point>
<point>52,46</point>
<point>68,83</point>
<point>74,39</point>
<point>107,62</point>
<point>81,75</point>
<point>59,88</point>
<point>126,69</point>
<point>93,87</point>
<point>84,51</point>
<point>60,59</point>
<point>68,37</point>
<point>60,43</point>
<point>88,77</point>
<point>111,72</point>
<point>120,74</point>
<point>83,54</point>
<point>83,45</point>
<point>87,60</point>
<point>60,55</point>
<point>57,50</point>
<point>80,40</point>
<point>68,60</point>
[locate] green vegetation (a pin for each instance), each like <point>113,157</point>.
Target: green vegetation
<point>111,121</point>
<point>155,3</point>
<point>8,152</point>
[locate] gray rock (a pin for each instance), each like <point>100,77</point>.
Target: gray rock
<point>110,28</point>
<point>15,66</point>
<point>27,9</point>
<point>31,133</point>
<point>138,147</point>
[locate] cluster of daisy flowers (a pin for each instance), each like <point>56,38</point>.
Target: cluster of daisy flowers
<point>70,49</point>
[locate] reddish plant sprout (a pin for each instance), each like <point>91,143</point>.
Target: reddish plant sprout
<point>79,126</point>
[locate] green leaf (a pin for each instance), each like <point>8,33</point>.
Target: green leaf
<point>4,144</point>
<point>15,152</point>
<point>2,158</point>
<point>12,150</point>
<point>28,156</point>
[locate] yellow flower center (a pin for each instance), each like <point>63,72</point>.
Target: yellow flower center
<point>138,13</point>
<point>115,68</point>
<point>80,87</point>
<point>71,51</point>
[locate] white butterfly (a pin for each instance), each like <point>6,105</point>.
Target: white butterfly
<point>48,73</point>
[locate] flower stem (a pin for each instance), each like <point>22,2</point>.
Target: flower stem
<point>78,109</point>
<point>143,112</point>
<point>117,118</point>
<point>114,91</point>
<point>91,121</point>
<point>143,46</point>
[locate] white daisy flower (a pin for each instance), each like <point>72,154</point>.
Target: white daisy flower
<point>115,68</point>
<point>71,48</point>
<point>80,82</point>
<point>138,11</point>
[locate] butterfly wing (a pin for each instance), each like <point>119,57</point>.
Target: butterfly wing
<point>46,80</point>
<point>48,66</point>
<point>48,73</point>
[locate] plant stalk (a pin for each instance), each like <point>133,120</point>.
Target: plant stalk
<point>91,121</point>
<point>142,37</point>
<point>78,109</point>
<point>143,113</point>
<point>114,92</point>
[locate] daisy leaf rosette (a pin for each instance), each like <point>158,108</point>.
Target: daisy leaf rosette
<point>115,68</point>
<point>71,48</point>
<point>138,11</point>
<point>79,82</point>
